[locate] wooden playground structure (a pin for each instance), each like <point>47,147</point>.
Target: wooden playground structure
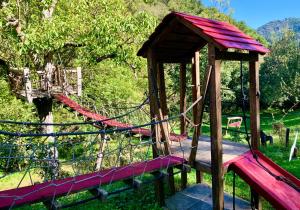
<point>177,39</point>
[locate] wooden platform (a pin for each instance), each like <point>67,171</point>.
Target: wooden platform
<point>199,197</point>
<point>203,158</point>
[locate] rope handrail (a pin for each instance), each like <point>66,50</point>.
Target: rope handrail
<point>75,123</point>
<point>102,131</point>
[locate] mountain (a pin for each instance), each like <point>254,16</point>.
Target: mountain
<point>275,28</point>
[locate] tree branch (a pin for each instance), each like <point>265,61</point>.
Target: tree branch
<point>104,57</point>
<point>72,44</point>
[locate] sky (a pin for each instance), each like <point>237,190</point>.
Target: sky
<point>259,12</point>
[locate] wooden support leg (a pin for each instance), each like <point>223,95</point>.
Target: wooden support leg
<point>216,131</point>
<point>183,124</point>
<point>159,188</point>
<point>196,94</point>
<point>199,176</point>
<point>255,200</point>
<point>171,180</point>
<point>183,179</point>
<point>254,116</point>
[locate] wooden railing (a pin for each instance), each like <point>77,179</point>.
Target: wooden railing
<point>29,84</point>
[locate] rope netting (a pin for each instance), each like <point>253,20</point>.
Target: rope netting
<point>49,165</point>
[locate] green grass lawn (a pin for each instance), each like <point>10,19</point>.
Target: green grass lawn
<point>144,198</point>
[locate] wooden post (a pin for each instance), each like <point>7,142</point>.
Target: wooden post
<point>28,86</point>
<point>171,180</point>
<point>196,94</point>
<point>79,81</point>
<point>199,176</point>
<point>182,83</point>
<point>216,130</point>
<point>159,188</point>
<point>183,178</point>
<point>254,117</point>
<point>156,147</point>
<point>254,103</point>
<point>162,89</point>
<point>162,93</point>
<point>155,103</point>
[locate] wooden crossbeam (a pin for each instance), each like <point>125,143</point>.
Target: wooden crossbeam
<point>193,154</point>
<point>236,56</point>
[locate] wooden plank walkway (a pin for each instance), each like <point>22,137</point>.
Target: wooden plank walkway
<point>231,150</point>
<point>198,197</point>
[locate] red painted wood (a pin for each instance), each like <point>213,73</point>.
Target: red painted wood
<point>56,188</point>
<point>112,123</point>
<point>232,38</point>
<point>228,28</point>
<point>235,124</point>
<point>197,18</point>
<point>242,46</point>
<point>278,193</point>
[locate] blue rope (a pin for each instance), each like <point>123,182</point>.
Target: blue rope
<point>75,123</point>
<point>109,131</point>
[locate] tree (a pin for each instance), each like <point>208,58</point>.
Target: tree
<point>280,73</point>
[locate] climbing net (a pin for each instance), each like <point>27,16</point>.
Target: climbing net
<point>49,165</point>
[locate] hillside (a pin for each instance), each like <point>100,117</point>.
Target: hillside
<point>275,28</point>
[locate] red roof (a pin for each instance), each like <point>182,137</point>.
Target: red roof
<point>223,35</point>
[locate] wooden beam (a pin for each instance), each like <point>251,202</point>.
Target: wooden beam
<point>164,34</point>
<point>155,103</point>
<point>162,89</point>
<point>170,171</point>
<point>162,95</point>
<point>159,187</point>
<point>196,94</point>
<point>173,59</point>
<point>254,94</point>
<point>182,84</point>
<point>79,81</point>
<point>183,37</point>
<point>28,86</point>
<point>199,176</point>
<point>176,45</point>
<point>204,93</point>
<point>254,103</point>
<point>183,179</point>
<point>156,147</point>
<point>216,130</point>
<point>236,56</point>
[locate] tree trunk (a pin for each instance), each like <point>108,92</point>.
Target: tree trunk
<point>44,109</point>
